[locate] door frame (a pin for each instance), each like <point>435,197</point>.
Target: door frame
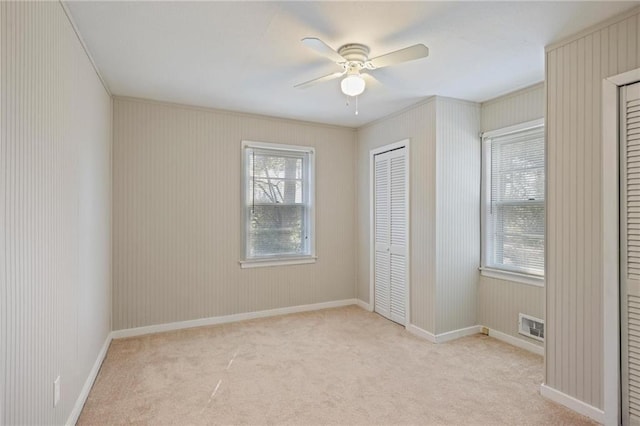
<point>611,241</point>
<point>372,154</point>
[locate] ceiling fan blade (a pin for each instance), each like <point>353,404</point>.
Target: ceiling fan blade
<point>410,53</point>
<point>372,80</point>
<point>323,48</point>
<point>320,79</point>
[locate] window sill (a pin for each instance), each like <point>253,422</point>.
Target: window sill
<point>533,280</point>
<point>263,263</point>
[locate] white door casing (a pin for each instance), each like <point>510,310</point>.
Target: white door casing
<point>630,252</point>
<point>390,233</point>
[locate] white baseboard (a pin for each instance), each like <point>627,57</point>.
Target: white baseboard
<point>468,331</point>
<point>84,393</point>
<point>572,403</point>
<point>364,305</point>
<point>456,334</point>
<point>417,331</point>
<point>139,331</point>
<point>514,341</point>
<point>443,337</point>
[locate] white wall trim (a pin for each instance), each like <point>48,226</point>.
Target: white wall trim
<point>158,328</point>
<point>255,263</point>
<point>443,337</point>
<point>610,247</point>
<point>514,341</point>
<point>67,12</point>
<point>475,329</point>
<point>88,384</point>
<point>456,334</point>
<point>372,246</point>
<point>611,242</point>
<point>417,331</point>
<point>572,403</point>
<point>364,305</point>
<point>516,277</point>
<point>625,78</point>
<point>513,129</point>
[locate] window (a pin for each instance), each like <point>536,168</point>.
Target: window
<point>278,204</point>
<point>513,203</point>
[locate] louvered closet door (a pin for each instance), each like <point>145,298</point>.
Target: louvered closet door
<point>390,226</point>
<point>630,252</point>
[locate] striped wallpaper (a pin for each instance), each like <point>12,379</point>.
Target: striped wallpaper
<point>55,190</point>
<point>513,108</point>
<point>176,211</point>
<point>575,69</point>
<point>500,301</point>
<point>457,213</point>
<point>177,215</point>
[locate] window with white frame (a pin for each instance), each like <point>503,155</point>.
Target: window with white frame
<point>513,202</point>
<point>278,203</point>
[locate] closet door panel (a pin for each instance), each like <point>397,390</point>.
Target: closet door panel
<point>390,232</point>
<point>382,225</point>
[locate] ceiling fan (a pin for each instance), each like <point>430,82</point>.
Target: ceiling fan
<point>354,59</point>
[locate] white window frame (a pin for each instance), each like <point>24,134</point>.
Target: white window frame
<point>279,260</point>
<point>491,271</point>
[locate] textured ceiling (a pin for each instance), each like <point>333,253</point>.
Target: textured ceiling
<point>246,56</point>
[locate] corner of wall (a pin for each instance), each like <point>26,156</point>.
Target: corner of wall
<point>457,213</point>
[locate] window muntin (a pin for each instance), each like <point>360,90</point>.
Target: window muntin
<point>278,185</point>
<point>514,200</point>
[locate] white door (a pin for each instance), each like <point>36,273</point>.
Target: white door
<point>390,234</point>
<point>630,252</point>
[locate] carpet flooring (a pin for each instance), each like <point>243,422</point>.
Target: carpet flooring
<point>335,366</point>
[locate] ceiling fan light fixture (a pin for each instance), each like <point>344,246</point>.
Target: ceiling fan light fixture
<point>352,85</point>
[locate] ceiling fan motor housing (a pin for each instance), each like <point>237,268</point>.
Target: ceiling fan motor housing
<point>356,55</point>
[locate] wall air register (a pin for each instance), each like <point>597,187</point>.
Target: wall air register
<point>531,327</point>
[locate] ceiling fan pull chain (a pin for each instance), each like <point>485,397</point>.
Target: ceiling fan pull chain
<point>356,105</point>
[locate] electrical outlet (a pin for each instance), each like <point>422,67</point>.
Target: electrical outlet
<point>56,391</point>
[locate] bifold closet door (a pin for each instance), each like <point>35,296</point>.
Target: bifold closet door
<point>630,252</point>
<point>390,233</point>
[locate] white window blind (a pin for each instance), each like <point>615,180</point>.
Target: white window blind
<point>278,216</point>
<point>514,201</point>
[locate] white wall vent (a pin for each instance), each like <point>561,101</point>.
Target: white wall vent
<point>531,327</point>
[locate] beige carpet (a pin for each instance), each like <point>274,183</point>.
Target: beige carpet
<point>336,366</point>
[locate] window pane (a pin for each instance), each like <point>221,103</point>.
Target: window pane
<point>517,166</point>
<point>519,219</point>
<point>515,211</point>
<point>264,190</point>
<point>525,184</point>
<point>520,253</point>
<point>275,177</point>
<point>276,229</point>
<point>277,202</point>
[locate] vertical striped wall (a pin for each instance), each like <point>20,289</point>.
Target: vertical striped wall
<point>457,213</point>
<point>177,215</point>
<point>575,69</point>
<point>418,125</point>
<point>444,157</point>
<point>55,183</point>
<point>500,301</point>
<point>514,108</point>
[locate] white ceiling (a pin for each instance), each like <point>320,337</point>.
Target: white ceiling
<point>246,56</point>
